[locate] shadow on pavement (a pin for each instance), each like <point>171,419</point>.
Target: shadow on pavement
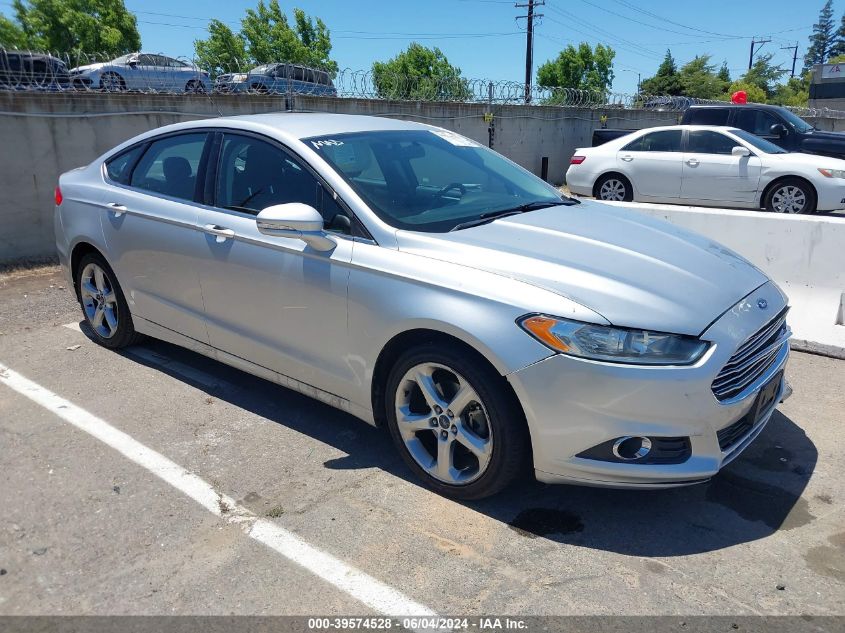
<point>753,497</point>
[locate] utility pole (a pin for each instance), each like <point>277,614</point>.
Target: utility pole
<point>529,41</point>
<point>794,50</point>
<point>754,42</point>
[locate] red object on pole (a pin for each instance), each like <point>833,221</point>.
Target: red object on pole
<point>740,97</point>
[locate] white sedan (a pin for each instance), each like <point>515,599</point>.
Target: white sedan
<point>709,166</point>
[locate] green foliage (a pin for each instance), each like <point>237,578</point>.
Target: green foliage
<point>582,68</point>
<point>92,26</point>
<point>795,92</point>
<point>266,36</point>
<point>764,75</point>
<point>823,41</point>
<point>11,35</point>
<point>667,81</point>
<point>724,74</point>
<point>755,93</point>
<point>699,79</point>
<point>223,52</point>
<point>420,73</point>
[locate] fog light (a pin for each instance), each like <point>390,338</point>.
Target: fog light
<point>630,448</point>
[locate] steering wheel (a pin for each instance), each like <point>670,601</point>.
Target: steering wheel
<point>452,186</point>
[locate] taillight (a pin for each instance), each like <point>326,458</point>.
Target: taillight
<point>58,196</point>
<point>577,160</point>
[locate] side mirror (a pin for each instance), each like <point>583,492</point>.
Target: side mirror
<point>295,220</point>
<point>778,129</point>
<point>739,150</point>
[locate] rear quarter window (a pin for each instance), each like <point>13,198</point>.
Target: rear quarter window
<point>119,168</point>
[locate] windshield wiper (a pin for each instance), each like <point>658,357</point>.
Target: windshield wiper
<point>488,217</point>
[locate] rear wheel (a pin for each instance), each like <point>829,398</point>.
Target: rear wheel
<point>614,187</point>
<point>790,195</point>
<point>103,303</point>
<point>454,423</point>
<point>194,86</point>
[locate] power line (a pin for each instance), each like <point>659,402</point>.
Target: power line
<point>633,7</point>
<point>529,42</point>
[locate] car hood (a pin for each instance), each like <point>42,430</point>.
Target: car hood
<point>823,141</point>
<point>88,68</point>
<point>810,160</point>
<point>634,270</point>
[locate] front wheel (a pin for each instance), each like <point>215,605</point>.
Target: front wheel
<point>103,303</point>
<point>455,424</point>
<point>791,195</point>
<point>614,187</point>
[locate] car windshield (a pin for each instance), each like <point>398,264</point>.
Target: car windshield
<point>796,121</point>
<point>123,59</point>
<point>432,180</point>
<point>767,147</point>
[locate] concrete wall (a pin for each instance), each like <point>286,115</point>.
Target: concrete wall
<point>805,255</point>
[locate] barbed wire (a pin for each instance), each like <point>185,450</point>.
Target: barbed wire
<point>23,70</point>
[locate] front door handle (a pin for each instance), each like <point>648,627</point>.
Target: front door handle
<point>627,158</point>
<point>692,162</point>
<point>221,232</point>
<point>117,208</point>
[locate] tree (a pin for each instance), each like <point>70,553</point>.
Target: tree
<point>724,74</point>
<point>223,51</point>
<point>699,79</point>
<point>764,74</point>
<point>667,81</point>
<point>270,38</point>
<point>420,73</point>
<point>795,92</point>
<point>754,93</point>
<point>91,26</point>
<point>583,68</point>
<point>11,35</point>
<point>824,38</point>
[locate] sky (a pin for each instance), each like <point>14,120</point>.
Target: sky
<point>484,38</point>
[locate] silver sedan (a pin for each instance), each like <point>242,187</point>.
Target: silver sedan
<point>422,282</point>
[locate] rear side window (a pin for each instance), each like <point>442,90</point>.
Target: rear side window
<point>170,165</point>
<point>120,167</point>
<point>707,142</point>
<point>757,122</point>
<point>708,116</point>
<point>661,141</point>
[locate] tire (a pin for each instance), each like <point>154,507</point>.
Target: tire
<point>490,420</point>
<point>260,89</point>
<point>103,303</point>
<point>790,195</point>
<point>111,81</point>
<point>614,187</point>
<point>194,86</point>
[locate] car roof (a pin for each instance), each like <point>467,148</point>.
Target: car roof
<point>762,106</point>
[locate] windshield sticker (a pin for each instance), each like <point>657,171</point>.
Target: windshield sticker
<point>455,139</point>
<point>331,142</point>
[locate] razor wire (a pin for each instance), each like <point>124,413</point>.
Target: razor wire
<point>40,71</point>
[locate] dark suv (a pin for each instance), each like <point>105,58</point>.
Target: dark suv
<point>774,123</point>
<point>21,70</point>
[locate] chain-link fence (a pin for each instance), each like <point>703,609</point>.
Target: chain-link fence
<point>152,73</point>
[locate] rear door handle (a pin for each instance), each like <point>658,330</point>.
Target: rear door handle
<point>221,232</point>
<point>692,162</point>
<point>117,208</point>
<point>627,158</point>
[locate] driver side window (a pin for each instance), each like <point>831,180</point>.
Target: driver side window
<point>254,174</point>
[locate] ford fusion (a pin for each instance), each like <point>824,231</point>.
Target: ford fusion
<point>421,282</point>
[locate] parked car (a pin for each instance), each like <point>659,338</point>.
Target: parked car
<point>418,280</point>
<point>226,82</point>
<point>22,70</point>
<point>773,123</point>
<point>279,79</point>
<point>711,166</point>
<point>143,71</point>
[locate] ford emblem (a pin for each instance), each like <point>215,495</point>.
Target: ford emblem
<point>762,304</point>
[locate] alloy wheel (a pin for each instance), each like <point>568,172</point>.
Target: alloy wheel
<point>789,199</point>
<point>443,424</point>
<point>99,300</point>
<point>612,189</point>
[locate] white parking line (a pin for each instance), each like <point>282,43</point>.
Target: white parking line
<point>373,593</point>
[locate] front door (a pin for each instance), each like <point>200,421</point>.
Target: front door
<point>275,301</point>
<point>652,163</point>
<point>712,172</point>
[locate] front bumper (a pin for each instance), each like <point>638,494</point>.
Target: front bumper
<point>572,405</point>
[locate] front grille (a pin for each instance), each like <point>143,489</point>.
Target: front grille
<point>730,435</point>
<point>752,359</point>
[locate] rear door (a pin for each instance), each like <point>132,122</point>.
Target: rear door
<point>712,172</point>
<point>652,163</point>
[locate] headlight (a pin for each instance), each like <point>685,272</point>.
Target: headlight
<point>832,173</point>
<point>613,344</point>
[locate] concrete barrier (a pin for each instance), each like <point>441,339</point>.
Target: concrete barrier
<point>805,255</point>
